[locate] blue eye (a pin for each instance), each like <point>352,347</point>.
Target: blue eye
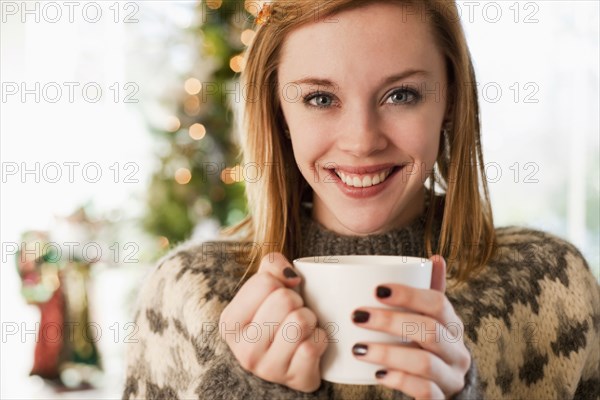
<point>322,100</point>
<point>405,96</point>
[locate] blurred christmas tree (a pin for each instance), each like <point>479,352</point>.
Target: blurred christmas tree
<point>199,177</point>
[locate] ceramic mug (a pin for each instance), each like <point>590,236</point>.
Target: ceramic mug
<point>333,287</point>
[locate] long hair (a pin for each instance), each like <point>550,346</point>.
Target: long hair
<point>467,237</point>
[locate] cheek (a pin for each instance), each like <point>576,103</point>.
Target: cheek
<point>432,146</point>
<point>306,147</point>
<point>417,138</point>
<point>311,146</point>
<point>309,140</point>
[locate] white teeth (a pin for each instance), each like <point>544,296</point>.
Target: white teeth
<point>366,181</point>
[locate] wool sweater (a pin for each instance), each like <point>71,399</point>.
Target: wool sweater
<point>531,317</point>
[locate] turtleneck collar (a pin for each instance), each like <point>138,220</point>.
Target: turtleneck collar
<point>408,240</point>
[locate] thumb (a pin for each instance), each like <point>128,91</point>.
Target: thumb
<point>438,273</point>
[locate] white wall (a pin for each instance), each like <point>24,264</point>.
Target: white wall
<point>547,53</point>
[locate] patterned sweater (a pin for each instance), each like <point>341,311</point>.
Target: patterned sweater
<point>532,321</point>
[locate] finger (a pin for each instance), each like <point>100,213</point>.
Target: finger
<point>280,268</point>
<point>272,313</point>
<point>412,385</point>
<point>417,362</point>
<point>239,312</point>
<point>438,273</point>
<point>306,361</point>
<point>429,302</point>
<point>428,333</point>
<point>297,326</point>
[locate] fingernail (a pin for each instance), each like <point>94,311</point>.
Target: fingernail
<point>359,349</point>
<point>383,292</point>
<point>381,373</point>
<point>360,316</point>
<point>289,273</point>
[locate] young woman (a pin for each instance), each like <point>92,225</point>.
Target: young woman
<point>358,113</point>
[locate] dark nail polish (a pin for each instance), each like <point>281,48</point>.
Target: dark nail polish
<point>360,316</point>
<point>289,273</point>
<point>383,292</point>
<point>359,349</point>
<point>381,373</point>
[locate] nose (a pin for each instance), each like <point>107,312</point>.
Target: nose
<point>360,133</point>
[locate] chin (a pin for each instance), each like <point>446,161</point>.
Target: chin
<point>363,224</point>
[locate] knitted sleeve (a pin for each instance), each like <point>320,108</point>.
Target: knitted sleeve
<point>564,353</point>
<point>585,335</point>
<point>532,319</point>
<point>177,351</point>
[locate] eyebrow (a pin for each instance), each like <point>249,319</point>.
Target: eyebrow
<point>392,78</point>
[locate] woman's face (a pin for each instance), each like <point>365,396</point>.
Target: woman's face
<point>363,95</point>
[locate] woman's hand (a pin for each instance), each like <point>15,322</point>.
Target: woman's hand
<point>261,323</point>
<point>434,365</point>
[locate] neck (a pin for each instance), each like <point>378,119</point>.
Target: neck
<point>408,239</point>
<point>415,207</point>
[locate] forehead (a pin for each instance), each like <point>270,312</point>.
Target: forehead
<point>370,41</point>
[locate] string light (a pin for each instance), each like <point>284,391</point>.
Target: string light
<point>163,242</point>
<point>232,175</point>
<point>197,131</point>
<point>173,124</point>
<point>247,36</point>
<point>183,176</point>
<point>192,86</point>
<point>237,63</point>
<point>254,6</point>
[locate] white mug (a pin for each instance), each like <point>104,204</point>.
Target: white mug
<point>333,287</point>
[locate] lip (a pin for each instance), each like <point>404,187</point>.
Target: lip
<point>364,192</point>
<point>363,170</point>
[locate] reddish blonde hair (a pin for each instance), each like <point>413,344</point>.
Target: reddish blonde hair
<point>467,236</point>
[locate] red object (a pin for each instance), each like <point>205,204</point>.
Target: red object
<point>50,337</point>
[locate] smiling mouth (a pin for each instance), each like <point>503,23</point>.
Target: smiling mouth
<point>365,180</point>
